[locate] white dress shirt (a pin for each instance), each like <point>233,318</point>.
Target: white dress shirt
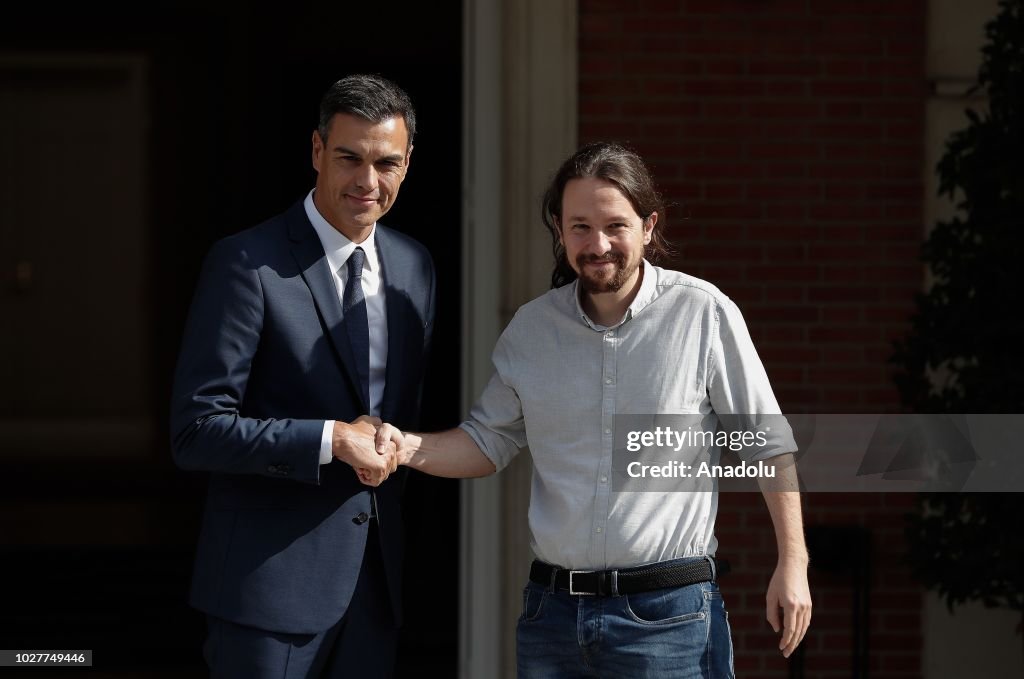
<point>338,249</point>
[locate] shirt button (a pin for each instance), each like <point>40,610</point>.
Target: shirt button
<point>607,431</point>
<point>598,529</point>
<point>604,479</point>
<point>608,380</point>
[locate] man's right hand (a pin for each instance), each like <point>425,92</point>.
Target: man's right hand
<point>389,435</point>
<point>354,444</point>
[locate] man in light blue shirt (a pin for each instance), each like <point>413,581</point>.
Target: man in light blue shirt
<point>624,582</point>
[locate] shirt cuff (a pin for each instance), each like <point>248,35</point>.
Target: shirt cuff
<point>327,443</point>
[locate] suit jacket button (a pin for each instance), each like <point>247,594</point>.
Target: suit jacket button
<point>361,518</point>
<point>272,469</point>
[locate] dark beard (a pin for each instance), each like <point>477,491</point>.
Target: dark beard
<point>613,284</point>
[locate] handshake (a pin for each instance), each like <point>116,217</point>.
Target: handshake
<point>373,448</point>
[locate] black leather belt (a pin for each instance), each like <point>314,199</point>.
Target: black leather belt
<point>626,580</point>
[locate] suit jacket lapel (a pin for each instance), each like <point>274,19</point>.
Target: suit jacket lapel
<point>316,272</point>
<point>397,284</point>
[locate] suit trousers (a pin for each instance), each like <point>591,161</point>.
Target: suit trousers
<point>362,644</point>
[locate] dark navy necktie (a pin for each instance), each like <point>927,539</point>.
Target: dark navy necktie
<point>354,306</point>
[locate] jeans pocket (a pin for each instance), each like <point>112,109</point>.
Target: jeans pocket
<point>667,606</point>
<point>533,603</point>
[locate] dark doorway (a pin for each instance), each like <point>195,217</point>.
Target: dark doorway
<point>97,527</point>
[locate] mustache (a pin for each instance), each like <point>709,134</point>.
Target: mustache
<point>613,257</point>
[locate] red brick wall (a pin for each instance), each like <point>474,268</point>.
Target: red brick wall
<point>788,137</point>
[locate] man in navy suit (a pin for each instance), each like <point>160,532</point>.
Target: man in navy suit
<point>303,330</point>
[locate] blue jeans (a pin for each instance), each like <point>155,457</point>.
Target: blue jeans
<point>680,633</point>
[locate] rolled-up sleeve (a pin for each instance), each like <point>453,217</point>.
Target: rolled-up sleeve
<point>738,387</point>
<point>496,420</point>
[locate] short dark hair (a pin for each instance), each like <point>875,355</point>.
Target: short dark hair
<point>369,97</point>
<point>623,168</point>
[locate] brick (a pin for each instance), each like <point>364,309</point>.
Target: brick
<point>844,109</point>
<point>782,334</point>
<point>776,24</point>
<point>902,131</point>
<point>846,67</point>
<point>603,86</point>
<point>659,87</point>
<point>717,109</point>
<point>851,89</point>
<point>844,192</point>
<point>828,212</point>
<point>718,130</point>
<point>606,108</point>
<point>726,211</point>
<point>662,108</point>
<point>793,212</point>
<point>787,253</point>
<point>725,67</point>
<point>842,315</point>
<point>789,191</point>
<point>597,24</point>
<point>672,64</point>
<point>618,130</point>
<point>721,45</point>
<point>845,45</point>
<point>785,272</point>
<point>783,314</point>
<point>906,88</point>
<point>775,151</point>
<point>785,68</point>
<point>905,67</point>
<point>789,354</point>
<point>661,6</point>
<point>843,333</point>
<point>841,355</point>
<point>732,252</point>
<point>909,211</point>
<point>647,24</point>
<point>841,293</point>
<point>785,88</point>
<point>724,88</point>
<point>604,6</point>
<point>845,169</point>
<point>788,110</point>
<point>716,192</point>
<point>847,130</point>
<point>908,46</point>
<point>721,170</point>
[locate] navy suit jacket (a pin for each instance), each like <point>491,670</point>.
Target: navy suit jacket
<point>265,359</point>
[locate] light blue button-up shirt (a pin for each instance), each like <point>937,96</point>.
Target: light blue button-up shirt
<point>681,348</point>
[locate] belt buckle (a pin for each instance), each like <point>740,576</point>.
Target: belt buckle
<point>572,591</point>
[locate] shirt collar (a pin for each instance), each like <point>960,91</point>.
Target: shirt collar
<point>644,296</point>
<point>337,247</point>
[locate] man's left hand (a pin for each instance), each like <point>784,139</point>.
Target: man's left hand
<point>789,591</point>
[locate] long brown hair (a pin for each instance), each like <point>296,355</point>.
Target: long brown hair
<point>625,169</point>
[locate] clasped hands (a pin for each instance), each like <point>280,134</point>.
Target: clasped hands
<point>371,447</point>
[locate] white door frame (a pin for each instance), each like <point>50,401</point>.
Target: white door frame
<point>519,123</point>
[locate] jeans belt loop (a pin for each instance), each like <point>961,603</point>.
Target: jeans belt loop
<point>615,582</point>
<point>554,574</point>
<point>714,567</point>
